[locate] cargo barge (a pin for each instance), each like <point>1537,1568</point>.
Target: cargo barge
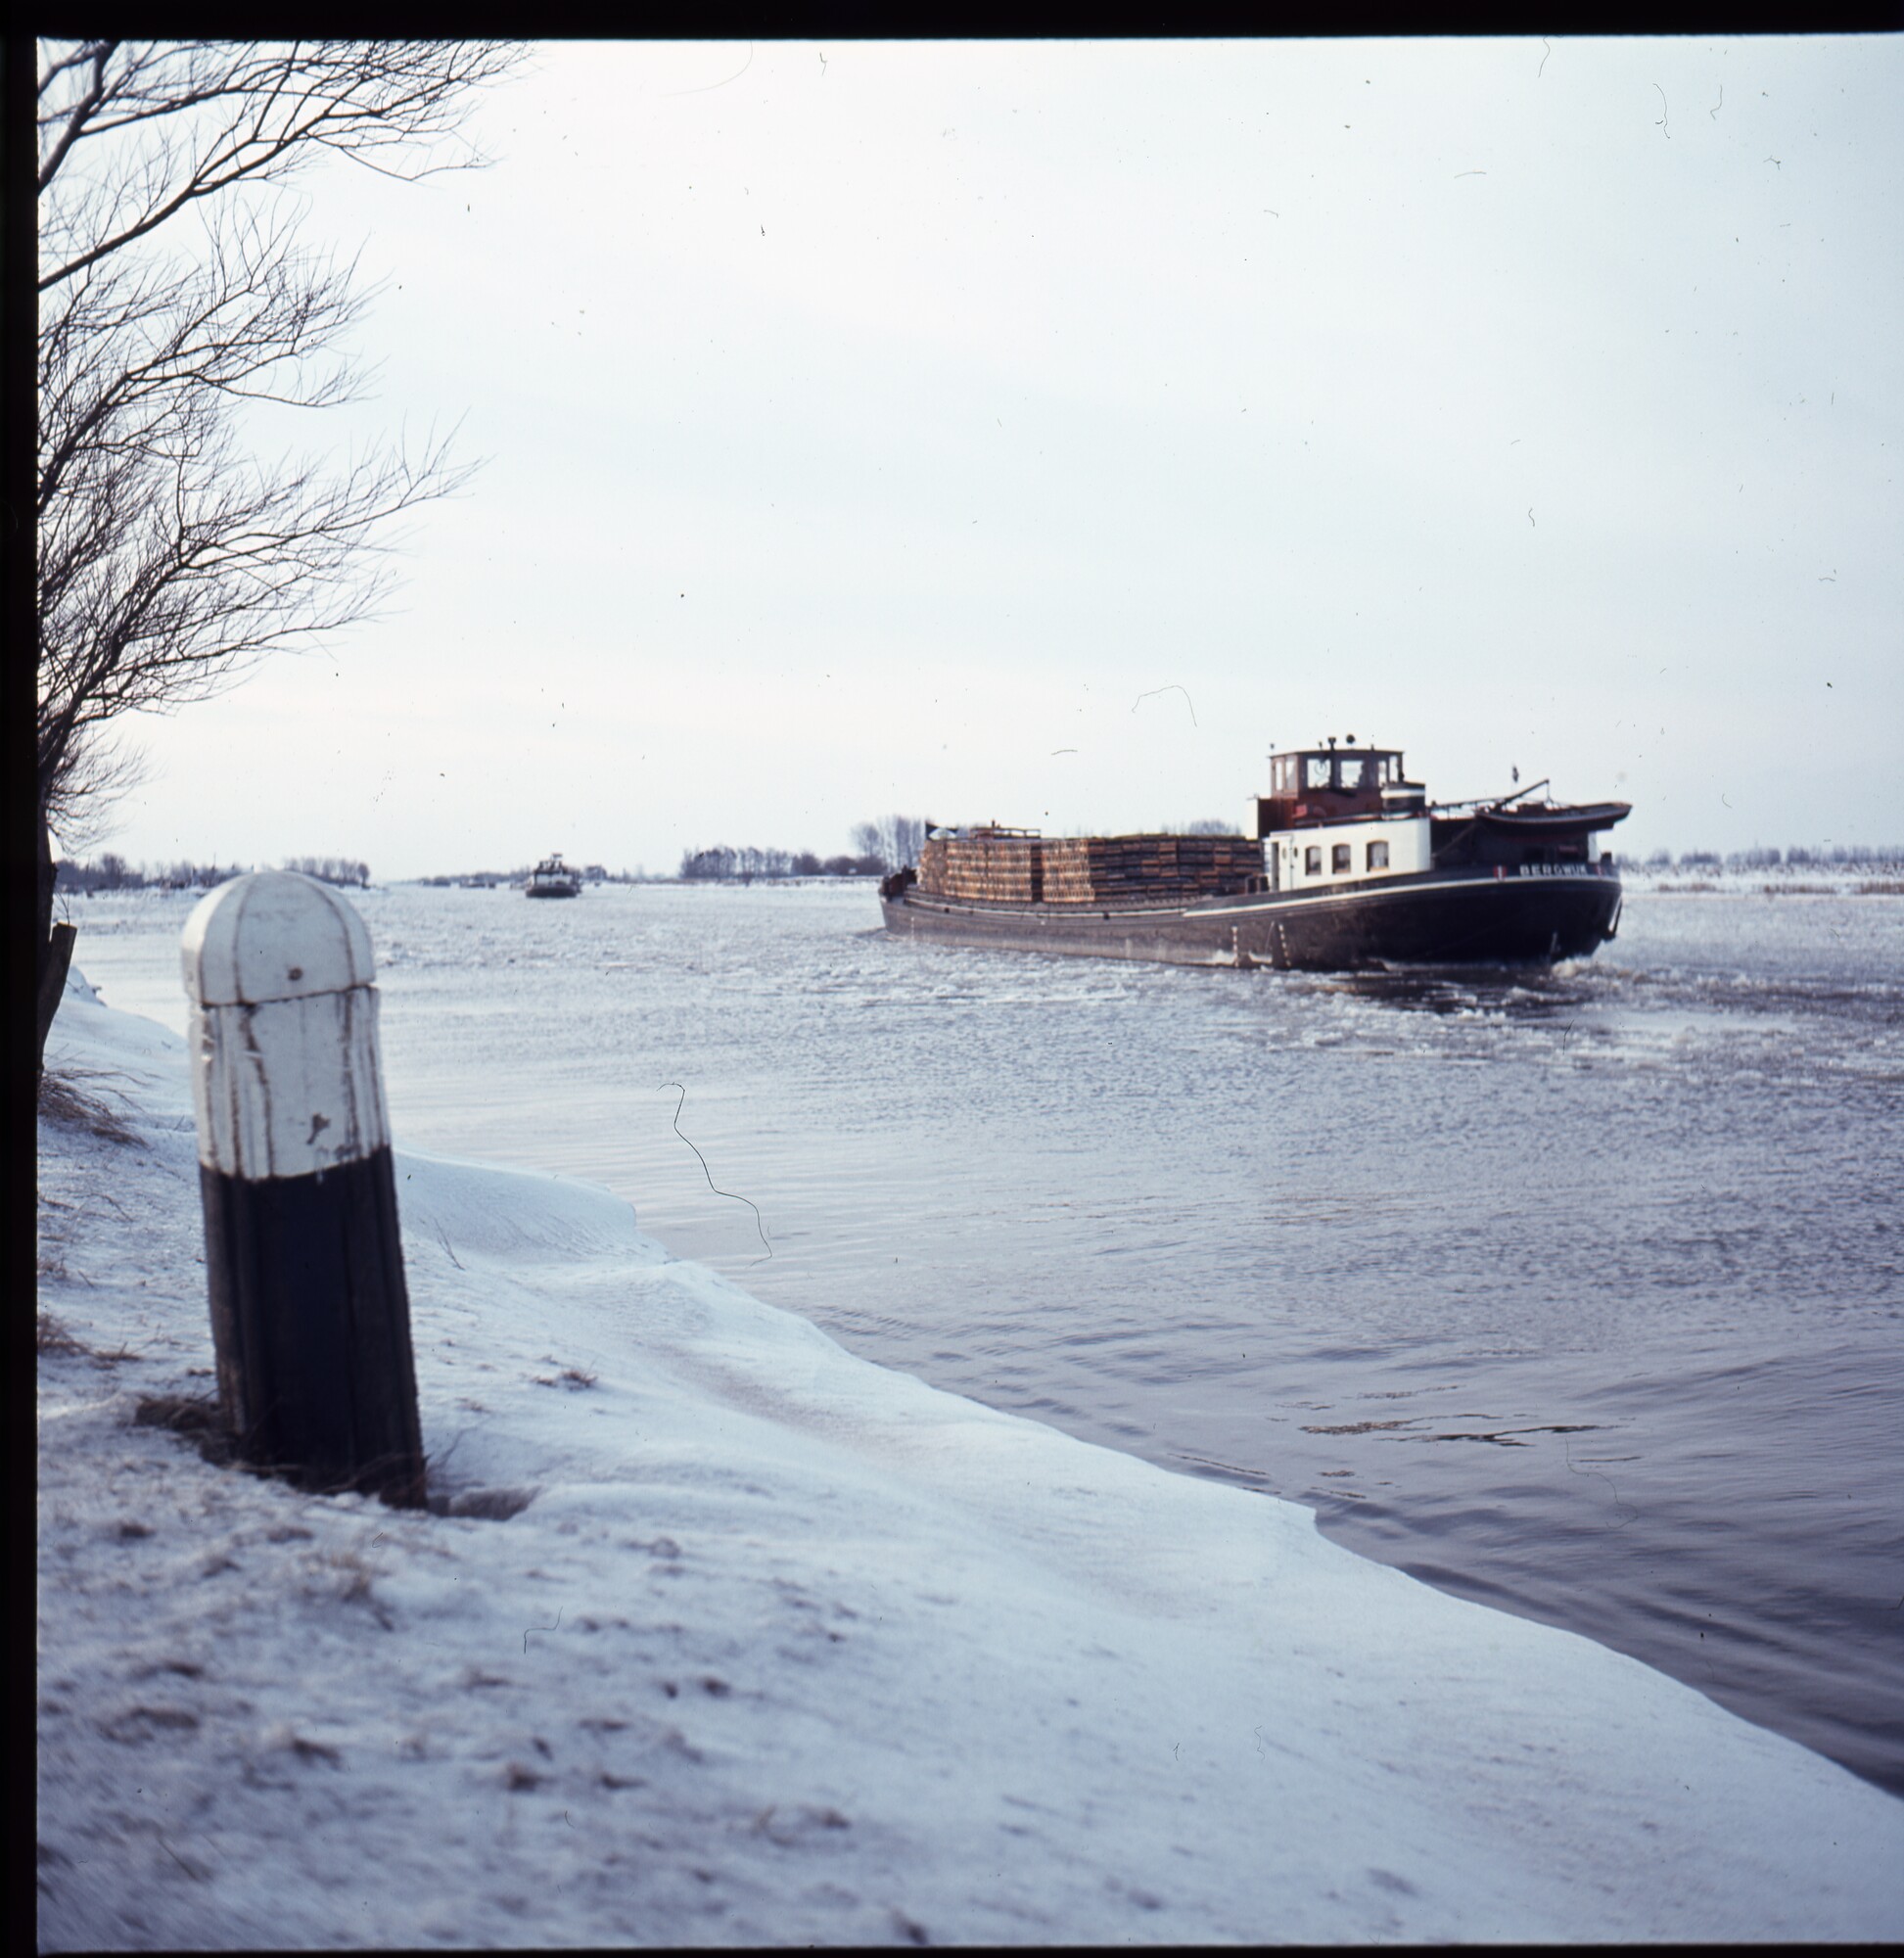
<point>1349,865</point>
<point>552,878</point>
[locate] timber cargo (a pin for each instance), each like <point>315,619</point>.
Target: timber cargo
<point>1350,864</point>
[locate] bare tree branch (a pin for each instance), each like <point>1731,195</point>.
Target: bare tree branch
<point>213,116</point>
<point>170,558</point>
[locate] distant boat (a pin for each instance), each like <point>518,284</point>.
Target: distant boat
<point>552,878</point>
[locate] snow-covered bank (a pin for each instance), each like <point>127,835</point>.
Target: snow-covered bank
<point>787,1648</point>
<point>1877,879</point>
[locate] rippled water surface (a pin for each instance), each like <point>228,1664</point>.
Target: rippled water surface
<point>1578,1293</point>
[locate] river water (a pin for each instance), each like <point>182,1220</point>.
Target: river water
<point>1580,1294</point>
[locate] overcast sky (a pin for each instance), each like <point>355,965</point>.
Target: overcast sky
<point>1044,432</point>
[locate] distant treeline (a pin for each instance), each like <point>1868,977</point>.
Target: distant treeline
<point>726,864</point>
<point>589,874</point>
<point>1848,855</point>
<point>331,869</point>
<point>888,843</point>
<point>112,872</point>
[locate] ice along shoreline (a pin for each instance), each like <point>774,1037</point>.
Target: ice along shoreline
<point>784,1647</point>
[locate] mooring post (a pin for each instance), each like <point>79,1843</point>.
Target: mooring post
<point>309,1315</point>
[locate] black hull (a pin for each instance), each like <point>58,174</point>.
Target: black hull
<point>1434,917</point>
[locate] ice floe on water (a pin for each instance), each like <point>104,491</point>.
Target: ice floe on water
<point>727,1636</point>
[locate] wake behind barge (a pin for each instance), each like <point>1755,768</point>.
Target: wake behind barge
<point>1349,865</point>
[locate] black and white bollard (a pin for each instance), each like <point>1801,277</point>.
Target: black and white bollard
<point>310,1314</point>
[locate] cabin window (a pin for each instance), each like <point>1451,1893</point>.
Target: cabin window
<point>1316,772</point>
<point>1377,857</point>
<point>1312,861</point>
<point>1339,858</point>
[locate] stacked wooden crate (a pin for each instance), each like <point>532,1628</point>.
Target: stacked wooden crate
<point>1153,867</point>
<point>1014,868</point>
<point>1067,870</point>
<point>992,867</point>
<point>932,865</point>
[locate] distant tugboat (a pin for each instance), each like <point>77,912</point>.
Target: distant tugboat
<point>552,878</point>
<point>1351,864</point>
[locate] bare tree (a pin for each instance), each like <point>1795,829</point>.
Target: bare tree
<point>700,864</point>
<point>174,294</point>
<point>901,836</point>
<point>893,840</point>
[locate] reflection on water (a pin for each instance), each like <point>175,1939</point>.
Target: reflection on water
<point>1576,1292</point>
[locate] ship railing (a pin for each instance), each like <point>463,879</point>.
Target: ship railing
<point>1477,802</point>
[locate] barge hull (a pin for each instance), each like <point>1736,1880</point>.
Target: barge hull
<point>1439,919</point>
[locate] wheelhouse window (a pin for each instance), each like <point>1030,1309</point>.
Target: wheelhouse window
<point>1312,861</point>
<point>1377,857</point>
<point>1349,771</point>
<point>1339,858</point>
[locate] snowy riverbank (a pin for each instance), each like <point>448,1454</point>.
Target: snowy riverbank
<point>783,1646</point>
<point>1882,878</point>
